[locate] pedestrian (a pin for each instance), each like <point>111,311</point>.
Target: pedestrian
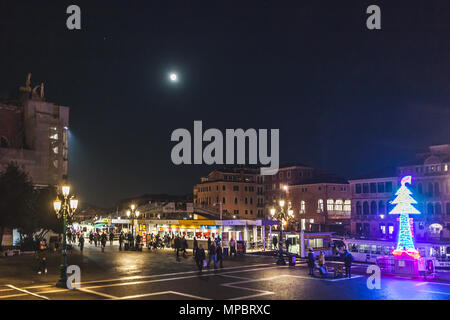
<point>111,238</point>
<point>184,246</point>
<point>275,242</point>
<point>209,242</point>
<point>81,242</point>
<point>177,245</point>
<point>195,247</point>
<point>219,254</point>
<point>212,255</point>
<point>232,247</point>
<point>121,239</point>
<point>103,241</point>
<point>311,262</point>
<point>138,242</point>
<point>96,238</point>
<point>42,256</point>
<point>321,259</point>
<point>130,241</point>
<point>348,259</point>
<point>200,258</point>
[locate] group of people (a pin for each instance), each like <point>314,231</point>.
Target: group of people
<point>320,263</point>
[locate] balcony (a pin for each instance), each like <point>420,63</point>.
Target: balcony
<point>333,214</point>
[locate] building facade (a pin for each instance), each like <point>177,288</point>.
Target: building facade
<point>34,134</point>
<point>274,185</point>
<point>372,196</point>
<point>239,192</point>
<point>321,206</point>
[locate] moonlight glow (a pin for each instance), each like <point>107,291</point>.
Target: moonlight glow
<point>173,77</point>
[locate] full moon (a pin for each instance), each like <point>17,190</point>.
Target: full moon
<point>173,77</point>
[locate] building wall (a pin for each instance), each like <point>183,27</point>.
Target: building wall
<point>321,206</point>
<point>43,152</point>
<point>241,194</point>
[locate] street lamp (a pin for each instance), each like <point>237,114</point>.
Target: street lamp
<point>282,216</point>
<point>134,214</point>
<point>64,208</point>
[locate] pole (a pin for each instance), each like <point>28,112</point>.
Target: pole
<point>280,260</point>
<point>62,282</point>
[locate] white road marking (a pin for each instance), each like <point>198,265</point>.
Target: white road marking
<point>161,293</point>
<point>27,292</point>
<point>98,293</point>
<point>438,292</point>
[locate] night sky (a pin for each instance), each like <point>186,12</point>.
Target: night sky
<point>345,98</point>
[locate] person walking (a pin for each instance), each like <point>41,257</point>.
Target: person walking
<point>232,247</point>
<point>138,242</point>
<point>321,259</point>
<point>219,254</point>
<point>177,245</point>
<point>212,255</point>
<point>200,257</point>
<point>111,238</point>
<point>311,262</point>
<point>91,237</point>
<point>96,236</point>
<point>275,242</point>
<point>209,242</point>
<point>121,239</point>
<point>348,259</point>
<point>81,242</point>
<point>195,247</point>
<point>184,246</point>
<point>103,241</point>
<point>42,256</point>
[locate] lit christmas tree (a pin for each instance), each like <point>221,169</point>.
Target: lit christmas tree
<point>404,207</point>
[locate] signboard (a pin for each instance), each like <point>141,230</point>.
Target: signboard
<point>196,223</point>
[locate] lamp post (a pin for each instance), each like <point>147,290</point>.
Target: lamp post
<point>64,208</point>
<point>281,216</point>
<point>133,213</point>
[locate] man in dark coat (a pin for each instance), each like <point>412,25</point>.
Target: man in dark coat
<point>111,238</point>
<point>348,259</point>
<point>311,262</point>
<point>212,255</point>
<point>121,239</point>
<point>81,242</point>
<point>275,242</point>
<point>200,257</point>
<point>195,247</point>
<point>219,254</point>
<point>177,245</point>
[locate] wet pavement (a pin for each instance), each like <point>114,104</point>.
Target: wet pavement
<point>160,275</point>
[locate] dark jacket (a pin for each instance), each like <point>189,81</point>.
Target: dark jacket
<point>348,259</point>
<point>200,255</point>
<point>195,244</point>
<point>311,259</point>
<point>219,252</point>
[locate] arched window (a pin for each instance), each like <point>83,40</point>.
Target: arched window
<point>437,208</point>
<point>365,207</point>
<point>373,207</point>
<point>436,189</point>
<point>381,208</point>
<point>430,208</point>
<point>330,204</point>
<point>4,143</point>
<point>358,208</point>
<point>430,189</point>
<point>320,205</point>
<point>419,188</point>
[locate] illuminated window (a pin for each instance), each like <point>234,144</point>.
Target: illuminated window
<point>445,167</point>
<point>330,204</point>
<point>338,205</point>
<point>320,205</point>
<point>302,206</point>
<point>347,205</point>
<point>54,136</point>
